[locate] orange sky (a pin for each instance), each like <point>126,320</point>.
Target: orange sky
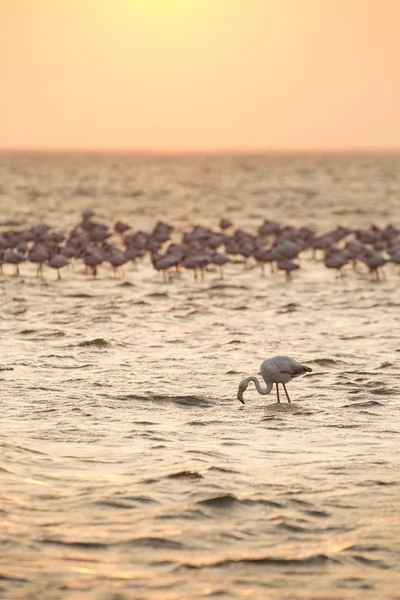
<point>200,75</point>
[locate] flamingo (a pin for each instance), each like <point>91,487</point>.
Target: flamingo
<point>15,258</point>
<point>288,266</point>
<point>279,369</point>
<point>121,227</point>
<point>58,261</point>
<point>225,224</point>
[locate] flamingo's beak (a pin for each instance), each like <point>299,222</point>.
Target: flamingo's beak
<point>240,395</point>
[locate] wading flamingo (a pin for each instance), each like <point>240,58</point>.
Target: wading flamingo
<point>279,369</point>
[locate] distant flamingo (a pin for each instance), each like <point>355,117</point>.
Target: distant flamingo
<point>121,227</point>
<point>15,258</point>
<point>38,254</point>
<point>374,260</point>
<point>57,261</point>
<point>288,266</point>
<point>92,258</point>
<point>336,259</point>
<point>225,224</point>
<point>220,259</point>
<point>279,369</point>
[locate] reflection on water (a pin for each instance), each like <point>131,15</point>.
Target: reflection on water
<point>128,467</point>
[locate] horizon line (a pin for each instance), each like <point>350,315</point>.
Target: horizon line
<point>200,152</point>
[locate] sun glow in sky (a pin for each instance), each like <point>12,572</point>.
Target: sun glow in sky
<point>199,75</point>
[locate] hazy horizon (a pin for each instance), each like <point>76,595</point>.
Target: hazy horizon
<point>206,152</point>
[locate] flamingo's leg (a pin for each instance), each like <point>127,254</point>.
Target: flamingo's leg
<point>277,393</point>
<point>287,395</point>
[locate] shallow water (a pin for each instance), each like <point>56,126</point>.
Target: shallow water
<point>128,467</point>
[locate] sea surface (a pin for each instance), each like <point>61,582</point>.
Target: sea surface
<point>128,468</point>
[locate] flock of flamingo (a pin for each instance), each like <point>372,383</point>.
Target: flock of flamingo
<point>199,249</point>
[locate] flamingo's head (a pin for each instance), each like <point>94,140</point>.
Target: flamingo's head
<point>241,390</point>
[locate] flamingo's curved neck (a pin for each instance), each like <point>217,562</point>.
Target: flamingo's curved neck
<point>260,390</point>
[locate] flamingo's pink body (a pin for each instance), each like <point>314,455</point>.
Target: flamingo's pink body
<point>279,369</point>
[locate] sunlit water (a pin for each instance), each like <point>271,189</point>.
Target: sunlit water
<point>128,467</point>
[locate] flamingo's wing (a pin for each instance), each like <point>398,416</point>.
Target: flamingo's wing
<point>298,370</point>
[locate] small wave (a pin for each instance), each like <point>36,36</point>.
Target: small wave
<point>187,515</point>
<point>233,443</point>
<point>97,342</point>
<point>10,578</point>
<point>223,501</point>
<point>49,334</point>
<point>6,368</point>
<point>181,400</point>
<point>113,504</point>
<point>74,544</point>
<point>372,482</point>
<point>382,392</point>
<point>4,470</point>
<point>327,362</point>
<point>225,286</point>
<point>153,542</point>
<point>364,548</point>
<point>321,514</point>
<point>24,449</point>
<point>314,559</point>
<point>185,475</point>
<point>262,502</point>
<point>62,356</point>
<point>295,528</point>
<point>343,425</point>
<point>363,404</point>
<point>158,295</point>
<point>223,470</point>
<point>141,499</point>
<point>370,561</point>
<point>67,367</point>
<point>288,308</point>
<point>126,284</point>
<point>82,295</point>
